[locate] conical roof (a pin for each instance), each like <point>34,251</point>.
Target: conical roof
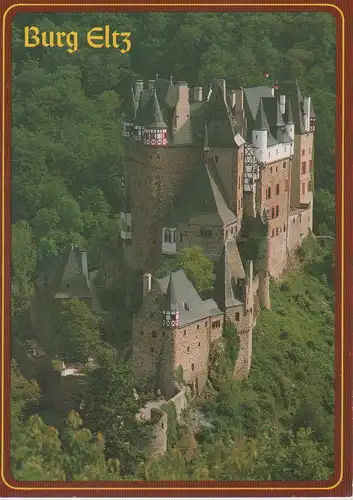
<point>171,295</point>
<point>150,115</point>
<point>260,120</point>
<point>290,115</point>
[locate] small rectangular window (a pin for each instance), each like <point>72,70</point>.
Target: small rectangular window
<point>276,231</point>
<point>237,316</point>
<point>309,186</point>
<point>154,333</point>
<point>216,159</point>
<point>303,152</point>
<point>303,167</point>
<point>192,367</point>
<point>286,185</point>
<point>272,212</point>
<point>277,189</point>
<point>284,164</point>
<point>303,188</point>
<point>273,233</point>
<point>277,210</point>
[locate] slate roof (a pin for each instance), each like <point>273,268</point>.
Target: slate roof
<point>229,270</point>
<point>180,294</point>
<point>62,277</point>
<point>203,181</point>
<point>252,96</point>
<point>149,113</point>
<point>294,95</point>
<point>222,126</point>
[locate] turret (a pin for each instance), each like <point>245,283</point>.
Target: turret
<point>170,313</point>
<point>149,123</point>
<point>307,106</point>
<point>289,123</point>
<point>259,134</point>
<point>129,114</point>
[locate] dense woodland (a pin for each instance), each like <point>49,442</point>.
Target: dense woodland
<point>66,188</point>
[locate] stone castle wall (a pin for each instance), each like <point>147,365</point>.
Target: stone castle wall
<point>154,176</point>
<point>276,176</point>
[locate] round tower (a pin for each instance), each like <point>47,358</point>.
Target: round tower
<point>155,131</point>
<point>259,134</point>
<point>289,125</point>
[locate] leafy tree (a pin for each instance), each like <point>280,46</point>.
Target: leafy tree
<point>197,267</point>
<point>110,408</point>
<point>77,335</point>
<point>23,262</point>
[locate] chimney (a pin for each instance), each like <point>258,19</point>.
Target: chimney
<point>307,105</point>
<point>232,99</point>
<point>138,89</point>
<point>84,263</point>
<point>239,99</point>
<point>282,103</point>
<point>151,84</point>
<point>147,283</point>
<point>198,93</point>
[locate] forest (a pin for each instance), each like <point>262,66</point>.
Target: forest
<point>66,168</point>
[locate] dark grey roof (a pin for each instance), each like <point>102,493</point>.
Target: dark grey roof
<point>289,114</point>
<point>181,295</point>
<point>222,126</point>
<point>294,95</point>
<point>210,199</point>
<point>261,122</point>
<point>149,113</point>
<point>253,95</point>
<point>223,210</point>
<point>229,270</point>
<point>272,110</point>
<point>62,277</point>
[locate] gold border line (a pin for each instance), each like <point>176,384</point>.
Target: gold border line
<point>280,5</point>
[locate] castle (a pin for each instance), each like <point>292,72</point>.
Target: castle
<point>229,170</point>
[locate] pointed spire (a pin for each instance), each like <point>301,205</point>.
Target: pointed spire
<point>260,121</point>
<point>171,295</point>
<point>157,117</point>
<point>290,116</point>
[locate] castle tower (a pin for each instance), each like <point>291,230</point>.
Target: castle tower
<point>259,134</point>
<point>170,313</point>
<point>289,122</point>
<point>129,114</point>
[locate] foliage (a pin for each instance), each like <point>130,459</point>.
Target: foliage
<point>172,429</point>
<point>197,267</point>
<point>77,334</point>
<point>110,408</point>
<point>23,263</point>
<point>38,453</point>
